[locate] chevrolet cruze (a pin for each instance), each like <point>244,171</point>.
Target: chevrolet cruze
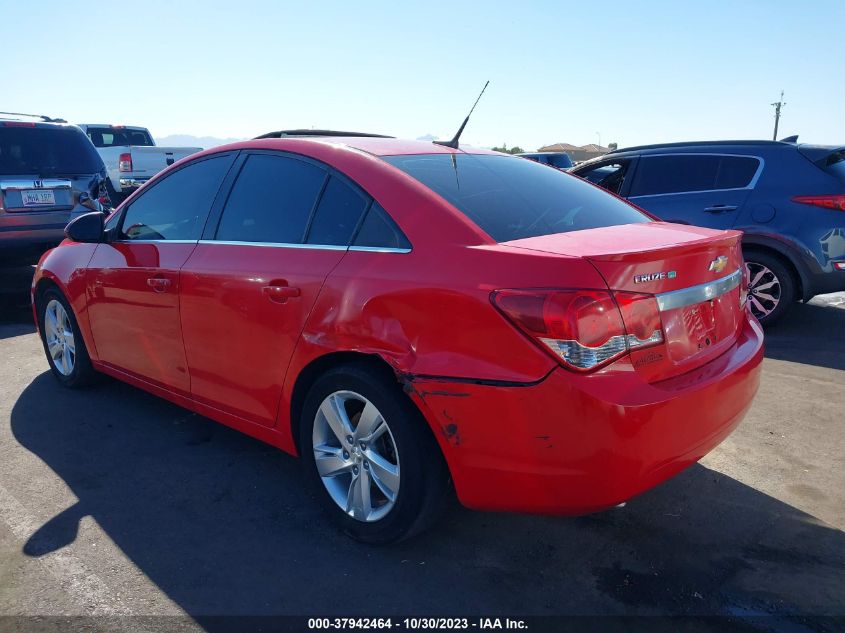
<point>410,318</point>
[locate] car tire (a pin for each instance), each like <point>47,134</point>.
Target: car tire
<point>772,287</point>
<point>63,343</point>
<point>390,482</point>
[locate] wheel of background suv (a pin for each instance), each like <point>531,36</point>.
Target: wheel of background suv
<point>63,344</point>
<point>771,287</point>
<point>371,456</point>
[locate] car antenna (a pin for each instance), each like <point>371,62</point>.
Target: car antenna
<point>454,142</point>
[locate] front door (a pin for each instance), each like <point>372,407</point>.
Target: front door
<point>134,281</point>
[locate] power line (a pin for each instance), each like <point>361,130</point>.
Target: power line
<point>778,105</point>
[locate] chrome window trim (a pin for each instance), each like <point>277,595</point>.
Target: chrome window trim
<point>379,249</point>
<point>748,187</point>
<point>698,294</point>
<point>322,247</point>
<point>152,241</point>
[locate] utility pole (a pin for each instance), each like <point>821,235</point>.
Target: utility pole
<point>778,105</point>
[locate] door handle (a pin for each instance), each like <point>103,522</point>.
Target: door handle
<point>720,208</point>
<point>280,294</point>
<point>159,284</point>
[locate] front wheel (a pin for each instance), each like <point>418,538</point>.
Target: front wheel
<point>771,287</point>
<point>371,456</point>
<point>62,340</point>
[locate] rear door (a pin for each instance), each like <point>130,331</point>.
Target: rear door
<point>699,189</point>
<point>249,286</point>
<point>133,280</point>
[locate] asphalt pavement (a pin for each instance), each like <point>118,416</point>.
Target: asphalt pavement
<point>116,503</point>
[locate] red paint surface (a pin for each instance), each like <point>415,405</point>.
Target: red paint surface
<point>536,437</point>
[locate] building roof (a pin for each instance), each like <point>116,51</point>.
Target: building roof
<point>567,147</point>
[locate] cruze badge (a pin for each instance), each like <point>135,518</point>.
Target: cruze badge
<point>639,279</point>
<point>719,264</point>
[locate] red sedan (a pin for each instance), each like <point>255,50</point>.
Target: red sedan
<point>409,317</point>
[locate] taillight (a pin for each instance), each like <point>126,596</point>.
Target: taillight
<point>835,202</point>
<point>583,329</point>
<point>124,163</point>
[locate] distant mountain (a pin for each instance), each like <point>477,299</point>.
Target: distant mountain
<point>186,140</point>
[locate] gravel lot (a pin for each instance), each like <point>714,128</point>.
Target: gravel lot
<point>113,502</point>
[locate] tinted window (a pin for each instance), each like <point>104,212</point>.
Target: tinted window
<point>561,161</point>
<point>337,214</point>
<point>680,173</point>
<point>47,151</point>
<point>271,200</point>
<point>380,231</point>
<point>610,176</point>
<point>112,137</point>
<point>511,198</point>
<point>176,207</point>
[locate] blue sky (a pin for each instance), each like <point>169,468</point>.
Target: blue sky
<point>635,72</point>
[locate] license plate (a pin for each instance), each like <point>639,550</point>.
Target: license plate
<point>38,197</point>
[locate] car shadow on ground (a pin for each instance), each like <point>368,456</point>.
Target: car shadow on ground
<point>222,524</point>
<point>809,334</point>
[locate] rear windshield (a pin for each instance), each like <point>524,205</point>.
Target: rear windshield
<point>511,199</point>
<point>119,137</point>
<point>46,151</point>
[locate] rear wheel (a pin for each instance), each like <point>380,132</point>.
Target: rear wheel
<point>771,287</point>
<point>370,455</point>
<point>62,340</point>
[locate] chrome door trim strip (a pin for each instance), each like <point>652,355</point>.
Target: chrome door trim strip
<point>700,293</point>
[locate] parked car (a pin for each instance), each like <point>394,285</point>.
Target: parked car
<point>49,174</point>
<point>788,200</point>
<point>560,160</point>
<point>407,316</point>
<point>131,155</point>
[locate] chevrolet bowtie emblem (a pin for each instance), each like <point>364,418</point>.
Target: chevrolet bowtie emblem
<point>719,264</point>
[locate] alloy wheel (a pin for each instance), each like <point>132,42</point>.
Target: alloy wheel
<point>764,289</point>
<point>356,456</point>
<point>58,332</point>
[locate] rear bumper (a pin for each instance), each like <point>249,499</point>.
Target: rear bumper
<point>574,444</point>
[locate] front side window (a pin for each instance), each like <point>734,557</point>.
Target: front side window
<point>176,207</point>
<point>682,173</point>
<point>510,199</point>
<point>271,200</point>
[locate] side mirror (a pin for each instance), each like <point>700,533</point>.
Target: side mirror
<point>86,228</point>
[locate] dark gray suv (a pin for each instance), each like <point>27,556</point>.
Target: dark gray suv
<point>789,200</point>
<point>45,167</point>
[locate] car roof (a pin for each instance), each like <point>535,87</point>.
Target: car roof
<point>699,146</point>
<point>116,126</point>
<point>376,146</point>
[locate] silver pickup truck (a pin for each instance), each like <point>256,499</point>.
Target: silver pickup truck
<point>131,156</point>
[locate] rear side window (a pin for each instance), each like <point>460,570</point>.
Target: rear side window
<point>176,207</point>
<point>47,151</point>
<point>687,173</point>
<point>510,198</point>
<point>380,231</point>
<point>337,214</point>
<point>271,201</point>
<point>114,137</point>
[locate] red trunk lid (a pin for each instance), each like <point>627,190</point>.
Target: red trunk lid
<point>696,274</point>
